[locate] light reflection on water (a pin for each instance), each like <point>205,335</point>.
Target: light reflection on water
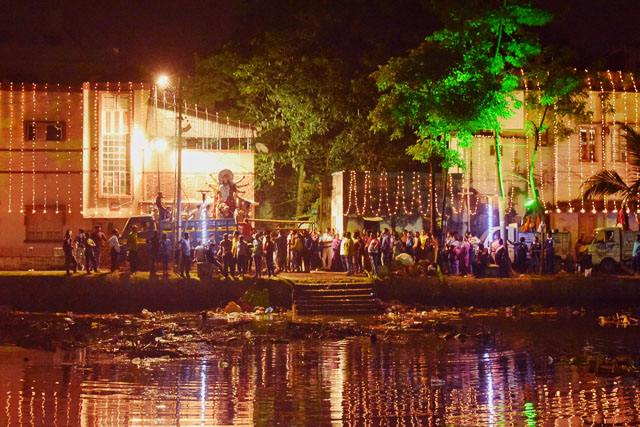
<point>352,382</point>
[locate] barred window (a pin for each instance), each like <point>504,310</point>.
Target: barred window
<point>587,145</point>
<point>115,163</point>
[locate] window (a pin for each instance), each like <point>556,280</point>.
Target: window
<point>587,145</point>
<point>115,130</point>
<point>43,227</point>
<point>618,145</point>
<point>39,130</point>
<point>492,150</point>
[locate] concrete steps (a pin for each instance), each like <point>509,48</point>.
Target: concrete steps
<point>334,299</point>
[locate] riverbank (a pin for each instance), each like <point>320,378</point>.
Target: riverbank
<point>123,293</point>
<point>602,292</point>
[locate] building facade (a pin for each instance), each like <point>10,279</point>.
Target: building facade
<point>562,165</point>
<point>78,157</point>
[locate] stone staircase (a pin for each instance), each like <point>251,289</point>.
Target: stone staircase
<point>334,298</point>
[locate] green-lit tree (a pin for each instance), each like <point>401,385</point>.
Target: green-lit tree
<point>556,103</point>
<point>461,79</point>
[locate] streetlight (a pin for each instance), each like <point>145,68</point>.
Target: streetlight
<point>163,82</point>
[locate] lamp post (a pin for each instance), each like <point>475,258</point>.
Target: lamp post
<point>163,81</point>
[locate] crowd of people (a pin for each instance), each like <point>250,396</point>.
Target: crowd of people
<point>269,253</point>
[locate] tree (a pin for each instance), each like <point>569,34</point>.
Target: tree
<point>461,79</point>
<point>558,99</point>
<point>610,183</point>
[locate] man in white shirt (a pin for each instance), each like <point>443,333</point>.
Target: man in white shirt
<point>326,240</point>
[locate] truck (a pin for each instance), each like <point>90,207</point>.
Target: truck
<point>562,244</point>
<point>610,248</point>
<point>198,229</point>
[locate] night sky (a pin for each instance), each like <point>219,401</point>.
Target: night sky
<point>71,41</point>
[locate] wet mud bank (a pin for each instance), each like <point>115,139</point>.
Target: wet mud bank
<point>106,293</point>
<point>604,292</point>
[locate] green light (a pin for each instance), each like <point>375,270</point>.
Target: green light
<point>529,203</point>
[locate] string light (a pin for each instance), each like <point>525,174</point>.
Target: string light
<point>555,157</point>
<point>368,202</point>
<point>603,125</point>
<point>526,136</point>
<point>544,203</point>
<point>513,171</point>
<point>352,195</point>
<point>453,205</point>
<point>58,106</point>
<point>614,132</point>
<point>384,187</point>
<point>416,194</point>
<point>625,120</point>
<point>69,134</point>
<point>93,152</point>
<point>635,95</point>
<point>590,141</point>
<point>46,152</point>
<point>22,117</point>
<point>33,150</point>
<point>569,168</point>
<point>11,123</point>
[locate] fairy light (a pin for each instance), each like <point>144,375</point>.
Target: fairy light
<point>625,121</point>
<point>483,156</point>
<point>614,132</point>
<point>33,150</point>
<point>69,129</point>
<point>513,171</point>
<point>544,203</point>
<point>526,136</point>
<point>93,152</point>
<point>635,95</point>
<point>416,195</point>
<point>384,187</point>
<point>569,168</point>
<point>11,123</point>
<point>352,194</point>
<point>592,158</point>
<point>46,152</point>
<point>555,156</point>
<point>603,125</point>
<point>453,206</point>
<point>368,198</point>
<point>22,117</point>
<point>58,106</point>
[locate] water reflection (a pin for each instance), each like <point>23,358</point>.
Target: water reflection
<point>352,382</point>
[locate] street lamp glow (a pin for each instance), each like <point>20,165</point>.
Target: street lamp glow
<point>162,81</point>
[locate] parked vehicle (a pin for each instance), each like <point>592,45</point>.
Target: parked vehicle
<point>198,229</point>
<point>610,247</point>
<point>562,244</point>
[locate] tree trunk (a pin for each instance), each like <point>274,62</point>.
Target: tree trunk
<point>300,195</point>
<point>501,207</point>
<point>443,220</point>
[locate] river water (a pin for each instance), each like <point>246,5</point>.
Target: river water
<point>523,374</point>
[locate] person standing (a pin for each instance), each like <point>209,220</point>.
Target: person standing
<point>374,252</point>
<point>185,256</point>
<point>165,253</point>
<point>114,250</point>
<point>211,252</point>
<point>257,254</point>
<point>502,259</point>
<point>385,247</point>
<point>268,254</point>
<point>307,252</point>
<point>132,248</point>
<point>481,261</point>
<point>67,248</point>
<point>162,211</point>
<point>154,245</point>
<point>99,239</point>
<point>325,242</point>
<point>549,254</point>
<point>226,247</point>
<point>80,243</point>
<point>535,249</point>
<point>242,250</point>
<point>89,254</point>
<point>346,252</point>
<point>281,247</point>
